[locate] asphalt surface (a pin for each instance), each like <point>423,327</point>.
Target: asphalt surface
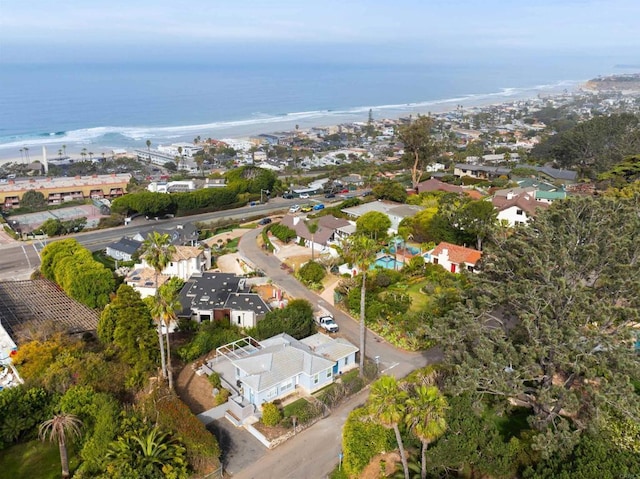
<point>20,258</point>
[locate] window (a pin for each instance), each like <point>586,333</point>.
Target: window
<point>329,374</point>
<point>239,319</point>
<point>316,379</point>
<point>273,392</point>
<point>286,385</point>
<point>435,260</point>
<point>519,212</point>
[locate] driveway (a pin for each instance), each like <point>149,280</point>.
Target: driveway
<point>239,448</point>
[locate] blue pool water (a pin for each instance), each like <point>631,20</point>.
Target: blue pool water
<point>387,262</point>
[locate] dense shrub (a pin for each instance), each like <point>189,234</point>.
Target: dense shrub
<point>22,409</point>
<point>271,414</point>
<point>296,319</point>
<point>209,337</point>
<point>363,439</point>
<point>312,272</point>
<point>214,380</point>
<point>283,233</point>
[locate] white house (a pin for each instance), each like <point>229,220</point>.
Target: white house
<point>517,209</point>
<point>453,258</point>
<point>276,367</point>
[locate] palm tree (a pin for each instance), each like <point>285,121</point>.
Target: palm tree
<point>426,410</point>
<point>146,453</point>
<point>157,251</point>
<point>149,149</point>
<point>359,250</point>
<point>387,407</point>
<point>21,155</point>
<point>90,155</point>
<point>312,226</point>
<point>83,154</point>
<point>165,310</point>
<point>57,429</point>
<point>26,154</point>
<point>64,150</point>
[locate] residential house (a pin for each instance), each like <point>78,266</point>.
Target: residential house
<point>123,249</point>
<point>185,262</point>
<point>326,235</point>
<point>395,211</point>
<point>453,258</point>
<point>216,296</point>
<point>278,366</point>
<point>434,184</point>
<point>183,234</point>
<point>517,209</point>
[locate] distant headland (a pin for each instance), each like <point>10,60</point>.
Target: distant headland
<point>628,82</point>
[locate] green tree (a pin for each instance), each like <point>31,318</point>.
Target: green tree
<point>311,272</point>
<point>476,217</point>
<point>390,190</point>
<point>387,406</point>
<point>157,252</point>
<point>419,145</point>
<point>127,324</point>
<point>33,199</point>
<point>426,408</point>
<point>360,251</point>
<point>295,319</point>
<point>57,429</point>
<point>373,224</point>
<point>148,142</point>
<point>555,331</point>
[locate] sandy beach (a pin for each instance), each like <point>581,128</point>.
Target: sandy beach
<point>238,130</point>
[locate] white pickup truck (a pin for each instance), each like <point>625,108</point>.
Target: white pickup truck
<point>325,320</point>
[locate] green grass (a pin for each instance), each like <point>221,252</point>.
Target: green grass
<point>35,460</point>
<point>294,408</point>
<point>419,300</point>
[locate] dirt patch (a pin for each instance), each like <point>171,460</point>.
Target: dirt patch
<point>195,391</point>
<point>391,462</point>
<point>271,433</point>
<point>296,261</point>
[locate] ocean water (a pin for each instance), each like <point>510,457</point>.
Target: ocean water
<point>106,106</point>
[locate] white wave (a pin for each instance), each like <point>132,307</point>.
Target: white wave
<point>88,136</point>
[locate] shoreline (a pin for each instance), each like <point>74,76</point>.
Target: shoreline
<point>245,128</point>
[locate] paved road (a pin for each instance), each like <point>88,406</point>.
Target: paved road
<point>394,361</point>
<point>19,259</point>
<point>314,453</point>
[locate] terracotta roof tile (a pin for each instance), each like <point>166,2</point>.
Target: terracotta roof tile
<point>458,254</point>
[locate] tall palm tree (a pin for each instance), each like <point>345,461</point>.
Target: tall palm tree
<point>312,226</point>
<point>360,250</point>
<point>149,149</point>
<point>64,150</point>
<point>21,155</point>
<point>165,310</point>
<point>157,251</point>
<point>57,429</point>
<point>83,154</point>
<point>387,407</point>
<point>26,154</point>
<point>426,409</point>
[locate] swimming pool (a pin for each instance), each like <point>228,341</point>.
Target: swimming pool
<point>387,262</point>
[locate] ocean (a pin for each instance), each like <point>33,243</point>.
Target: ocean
<point>105,106</point>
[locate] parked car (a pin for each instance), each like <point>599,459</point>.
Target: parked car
<point>319,206</point>
<point>330,195</point>
<point>307,208</point>
<point>294,209</point>
<point>288,196</point>
<point>346,190</point>
<point>304,196</point>
<point>264,221</point>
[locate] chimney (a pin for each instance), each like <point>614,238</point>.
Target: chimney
<point>510,195</point>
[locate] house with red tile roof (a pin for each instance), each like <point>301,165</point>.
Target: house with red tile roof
<point>453,258</point>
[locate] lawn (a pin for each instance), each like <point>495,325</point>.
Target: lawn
<point>35,460</point>
<point>419,300</point>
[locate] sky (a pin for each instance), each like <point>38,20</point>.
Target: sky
<point>332,30</point>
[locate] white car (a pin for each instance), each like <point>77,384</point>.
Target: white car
<point>304,196</point>
<point>294,209</point>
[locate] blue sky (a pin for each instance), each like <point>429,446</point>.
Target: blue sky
<point>344,30</point>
